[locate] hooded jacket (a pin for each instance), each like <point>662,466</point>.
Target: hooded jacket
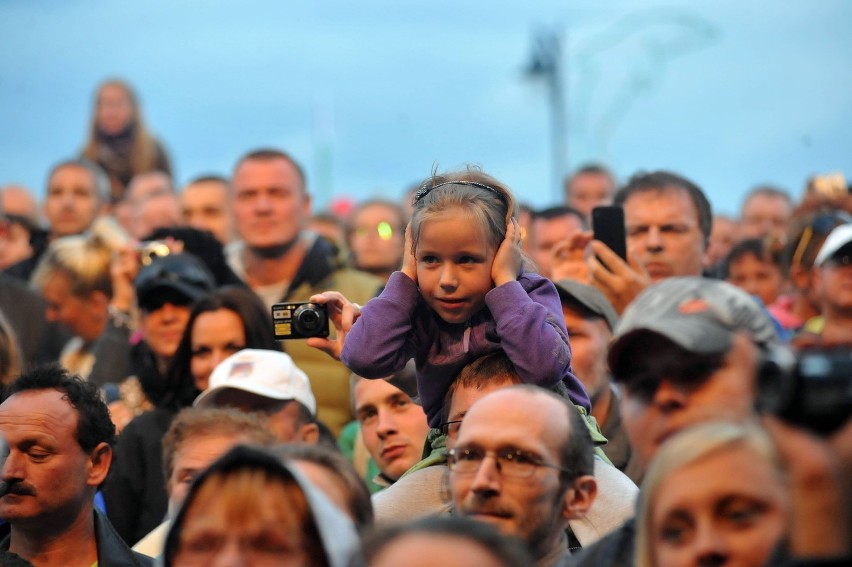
<point>336,531</point>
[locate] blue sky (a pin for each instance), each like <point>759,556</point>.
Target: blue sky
<point>370,95</point>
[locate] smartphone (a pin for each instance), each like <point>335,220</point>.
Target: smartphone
<point>608,227</point>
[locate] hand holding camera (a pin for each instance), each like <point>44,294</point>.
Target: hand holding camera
<point>299,320</point>
<point>309,320</point>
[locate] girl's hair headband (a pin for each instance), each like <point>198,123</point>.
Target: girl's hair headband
<point>424,189</point>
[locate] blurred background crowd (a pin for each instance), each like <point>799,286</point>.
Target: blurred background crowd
<point>147,259</point>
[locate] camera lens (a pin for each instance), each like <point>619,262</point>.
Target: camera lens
<point>308,319</point>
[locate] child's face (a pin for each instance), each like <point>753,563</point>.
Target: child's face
<point>757,277</point>
<point>454,266</point>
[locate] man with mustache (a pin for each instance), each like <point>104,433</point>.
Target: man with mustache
<point>525,472</point>
<point>60,439</point>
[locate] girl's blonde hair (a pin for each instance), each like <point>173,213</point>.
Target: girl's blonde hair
<point>84,259</point>
<point>683,449</point>
<point>143,153</point>
<point>487,200</point>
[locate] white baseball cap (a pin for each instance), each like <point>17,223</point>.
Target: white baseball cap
<point>836,241</point>
<point>266,373</point>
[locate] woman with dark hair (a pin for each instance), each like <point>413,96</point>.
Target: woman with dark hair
<point>220,324</point>
<point>215,327</point>
<point>118,140</point>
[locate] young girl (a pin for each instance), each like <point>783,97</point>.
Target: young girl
<point>461,294</point>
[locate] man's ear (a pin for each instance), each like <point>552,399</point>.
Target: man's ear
<point>100,460</point>
<point>579,497</point>
<point>308,433</point>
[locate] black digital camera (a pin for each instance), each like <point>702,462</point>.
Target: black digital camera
<point>812,388</point>
<point>299,320</point>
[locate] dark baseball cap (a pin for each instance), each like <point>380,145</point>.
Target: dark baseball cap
<point>590,298</point>
<point>183,274</point>
<point>701,315</point>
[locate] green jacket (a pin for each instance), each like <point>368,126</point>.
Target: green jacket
<point>321,271</point>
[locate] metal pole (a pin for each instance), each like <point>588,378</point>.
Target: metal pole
<point>546,62</point>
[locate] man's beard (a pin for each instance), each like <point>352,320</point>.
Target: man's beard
<point>274,251</point>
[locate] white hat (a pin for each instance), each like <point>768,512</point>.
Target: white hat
<point>837,239</point>
<point>267,373</point>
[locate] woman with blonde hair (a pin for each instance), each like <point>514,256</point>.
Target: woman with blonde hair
<point>75,280</point>
<point>714,494</point>
<point>249,508</point>
<point>118,140</point>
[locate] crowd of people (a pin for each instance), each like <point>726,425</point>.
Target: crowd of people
<point>497,387</point>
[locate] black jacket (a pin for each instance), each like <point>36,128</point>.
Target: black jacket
<point>112,552</point>
<point>613,550</point>
<point>135,490</point>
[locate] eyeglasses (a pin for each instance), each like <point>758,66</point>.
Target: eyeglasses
<point>512,463</point>
<point>451,428</point>
<point>384,230</point>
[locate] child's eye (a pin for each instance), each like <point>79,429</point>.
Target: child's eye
<point>468,260</point>
<point>429,260</point>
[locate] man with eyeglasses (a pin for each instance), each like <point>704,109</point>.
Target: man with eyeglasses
<point>525,472</point>
<point>375,234</point>
<point>422,490</point>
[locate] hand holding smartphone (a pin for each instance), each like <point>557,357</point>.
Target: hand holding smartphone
<point>608,227</point>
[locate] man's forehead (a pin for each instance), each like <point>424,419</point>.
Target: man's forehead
<point>465,396</point>
<point>512,413</point>
<point>665,192</point>
<point>35,410</point>
<point>77,170</point>
<point>211,187</point>
<point>374,392</point>
<point>268,167</point>
<point>204,449</point>
<point>559,225</point>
